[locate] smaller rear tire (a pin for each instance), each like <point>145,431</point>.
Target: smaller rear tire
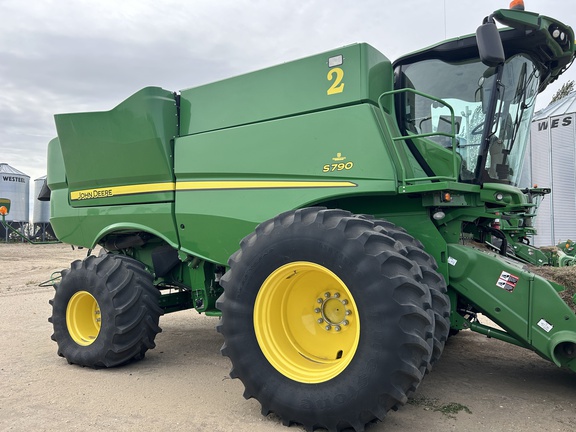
<point>105,312</point>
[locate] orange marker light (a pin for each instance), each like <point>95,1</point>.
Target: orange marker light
<point>3,211</point>
<point>517,4</point>
<point>447,197</point>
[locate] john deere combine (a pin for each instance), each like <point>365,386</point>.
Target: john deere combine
<point>375,206</point>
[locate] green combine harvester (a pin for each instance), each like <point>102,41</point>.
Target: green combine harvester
<point>341,213</point>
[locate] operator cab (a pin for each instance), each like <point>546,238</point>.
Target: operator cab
<point>492,102</point>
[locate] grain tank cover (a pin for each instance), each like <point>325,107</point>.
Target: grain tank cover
<point>14,185</point>
<point>109,155</point>
<point>305,85</point>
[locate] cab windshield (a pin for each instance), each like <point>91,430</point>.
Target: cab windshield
<point>492,106</point>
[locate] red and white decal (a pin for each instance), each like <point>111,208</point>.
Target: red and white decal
<point>507,281</point>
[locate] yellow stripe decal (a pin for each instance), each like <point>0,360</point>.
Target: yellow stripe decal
<point>121,190</point>
<point>248,184</point>
<point>201,185</point>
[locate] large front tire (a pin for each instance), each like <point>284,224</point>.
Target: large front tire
<point>105,312</point>
<point>432,278</point>
<point>325,320</point>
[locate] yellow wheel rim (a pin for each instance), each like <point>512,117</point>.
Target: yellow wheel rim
<point>306,322</point>
<point>83,318</point>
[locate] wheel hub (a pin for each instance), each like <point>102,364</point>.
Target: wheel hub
<point>333,311</point>
<point>306,322</point>
<point>83,318</point>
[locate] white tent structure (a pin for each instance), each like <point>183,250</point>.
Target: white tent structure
<point>552,163</point>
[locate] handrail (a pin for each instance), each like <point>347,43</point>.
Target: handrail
<point>403,179</point>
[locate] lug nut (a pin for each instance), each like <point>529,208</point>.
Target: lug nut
<point>348,312</point>
<point>319,300</point>
<point>327,295</point>
<point>320,320</point>
<point>327,327</point>
<point>317,310</point>
<point>336,295</point>
<point>344,302</point>
<point>337,328</point>
<point>345,322</point>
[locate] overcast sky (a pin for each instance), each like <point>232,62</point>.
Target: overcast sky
<point>86,55</point>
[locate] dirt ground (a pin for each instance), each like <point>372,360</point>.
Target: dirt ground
<point>479,384</point>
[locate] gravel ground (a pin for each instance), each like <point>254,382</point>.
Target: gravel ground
<point>479,384</point>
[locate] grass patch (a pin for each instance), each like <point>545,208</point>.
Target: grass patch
<point>449,410</point>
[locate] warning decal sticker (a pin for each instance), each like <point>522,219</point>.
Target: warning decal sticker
<point>507,281</point>
<point>545,325</point>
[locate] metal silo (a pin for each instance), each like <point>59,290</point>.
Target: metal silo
<point>41,230</point>
<point>41,211</point>
<point>15,185</point>
<point>552,162</point>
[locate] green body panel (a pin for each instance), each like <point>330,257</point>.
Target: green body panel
<point>475,274</point>
<point>527,306</point>
<point>56,169</point>
<point>126,156</point>
<point>291,88</point>
<point>77,224</point>
<point>322,155</point>
<point>79,227</point>
<point>128,145</point>
<point>122,156</point>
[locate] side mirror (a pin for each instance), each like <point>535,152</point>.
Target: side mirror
<point>489,44</point>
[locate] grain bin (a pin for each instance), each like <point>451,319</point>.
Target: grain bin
<point>552,164</point>
<point>41,211</point>
<point>15,185</point>
<point>41,228</point>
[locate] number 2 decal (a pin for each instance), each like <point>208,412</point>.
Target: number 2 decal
<point>337,84</point>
